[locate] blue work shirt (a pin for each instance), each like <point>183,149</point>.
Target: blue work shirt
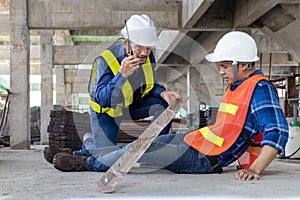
<point>265,115</point>
<point>107,90</point>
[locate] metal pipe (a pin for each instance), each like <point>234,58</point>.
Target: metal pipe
<point>270,64</point>
<point>260,60</point>
<point>188,103</point>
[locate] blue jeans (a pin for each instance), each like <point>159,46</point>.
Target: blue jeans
<point>105,128</point>
<point>166,152</point>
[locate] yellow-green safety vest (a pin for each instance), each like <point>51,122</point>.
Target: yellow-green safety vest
<point>114,65</point>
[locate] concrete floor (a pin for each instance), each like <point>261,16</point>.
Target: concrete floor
<point>26,175</point>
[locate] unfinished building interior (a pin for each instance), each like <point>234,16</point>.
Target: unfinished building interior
<point>56,42</point>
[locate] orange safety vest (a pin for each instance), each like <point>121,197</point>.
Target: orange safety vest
<point>230,120</point>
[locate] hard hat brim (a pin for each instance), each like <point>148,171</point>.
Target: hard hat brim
<point>213,58</point>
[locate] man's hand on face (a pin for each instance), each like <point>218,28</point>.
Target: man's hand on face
<point>129,65</point>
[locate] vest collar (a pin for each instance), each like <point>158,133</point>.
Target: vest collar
<point>238,83</point>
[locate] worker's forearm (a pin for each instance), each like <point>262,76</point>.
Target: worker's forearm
<point>265,157</point>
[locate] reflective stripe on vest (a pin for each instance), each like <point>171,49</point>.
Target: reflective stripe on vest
<point>230,120</point>
<point>211,137</point>
<point>149,78</point>
<point>228,108</point>
<point>114,65</point>
<point>92,76</point>
<point>111,112</point>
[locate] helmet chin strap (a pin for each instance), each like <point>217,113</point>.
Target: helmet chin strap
<point>235,71</point>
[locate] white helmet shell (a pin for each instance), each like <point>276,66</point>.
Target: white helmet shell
<point>234,46</point>
<point>141,30</point>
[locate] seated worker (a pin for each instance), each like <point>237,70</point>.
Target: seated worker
<point>250,107</point>
<point>123,85</point>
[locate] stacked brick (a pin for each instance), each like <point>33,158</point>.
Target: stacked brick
<point>131,130</point>
<point>66,128</point>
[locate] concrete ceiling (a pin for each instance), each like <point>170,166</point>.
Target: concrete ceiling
<point>188,29</point>
<point>202,21</point>
<point>279,20</point>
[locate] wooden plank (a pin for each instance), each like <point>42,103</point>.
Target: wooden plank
<point>121,167</point>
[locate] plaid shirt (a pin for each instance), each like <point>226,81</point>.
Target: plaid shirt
<point>265,115</point>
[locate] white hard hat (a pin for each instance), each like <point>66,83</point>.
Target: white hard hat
<point>234,46</point>
<point>141,30</point>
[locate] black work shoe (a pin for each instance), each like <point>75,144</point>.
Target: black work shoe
<point>50,152</point>
<point>69,163</point>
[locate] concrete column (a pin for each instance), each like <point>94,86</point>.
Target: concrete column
<point>46,82</point>
<point>19,115</point>
<point>188,81</point>
<point>291,93</point>
<point>68,99</point>
<point>60,85</point>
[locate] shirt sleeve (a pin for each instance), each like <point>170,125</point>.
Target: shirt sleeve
<point>268,116</point>
<point>107,90</point>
